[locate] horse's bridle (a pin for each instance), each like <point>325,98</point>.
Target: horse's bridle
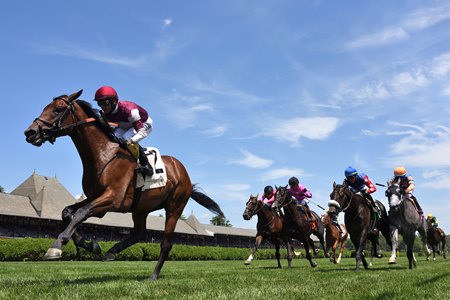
<point>288,202</point>
<point>50,134</point>
<point>345,195</point>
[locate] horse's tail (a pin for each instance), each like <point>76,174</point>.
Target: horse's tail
<point>205,201</point>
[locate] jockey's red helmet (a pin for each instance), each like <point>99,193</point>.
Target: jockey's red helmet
<point>106,92</point>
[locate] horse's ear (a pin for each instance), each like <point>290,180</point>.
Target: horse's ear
<point>334,185</point>
<point>75,95</point>
<point>276,187</point>
<point>257,196</point>
<point>285,186</point>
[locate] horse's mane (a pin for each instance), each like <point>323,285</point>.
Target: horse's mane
<point>87,108</point>
<point>95,113</point>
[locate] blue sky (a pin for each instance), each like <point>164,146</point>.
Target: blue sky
<point>244,93</point>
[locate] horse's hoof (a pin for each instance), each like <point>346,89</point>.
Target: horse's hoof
<point>246,262</point>
<point>313,264</point>
<point>53,253</point>
<point>154,277</point>
<point>109,257</point>
<point>392,261</point>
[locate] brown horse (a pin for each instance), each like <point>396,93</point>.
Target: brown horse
<point>436,238</point>
<point>269,226</point>
<point>358,221</point>
<point>109,179</point>
<point>333,238</point>
<point>296,223</point>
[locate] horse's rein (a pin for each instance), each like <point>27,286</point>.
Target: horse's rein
<point>349,202</point>
<point>56,126</point>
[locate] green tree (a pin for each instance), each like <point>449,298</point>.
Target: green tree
<point>2,190</point>
<point>220,221</point>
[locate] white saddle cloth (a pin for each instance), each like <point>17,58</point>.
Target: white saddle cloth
<point>159,177</point>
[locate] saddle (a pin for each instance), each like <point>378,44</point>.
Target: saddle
<point>314,224</point>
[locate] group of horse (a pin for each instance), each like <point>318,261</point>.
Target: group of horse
<point>109,183</point>
<point>361,224</point>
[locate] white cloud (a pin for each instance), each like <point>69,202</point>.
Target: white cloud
<point>216,131</point>
<point>167,22</point>
<point>427,17</point>
<point>423,146</point>
<point>440,66</point>
<point>283,173</point>
<point>252,161</point>
<point>405,83</point>
<point>385,36</point>
<point>291,130</point>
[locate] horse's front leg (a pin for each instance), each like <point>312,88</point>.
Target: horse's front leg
<point>394,241</point>
<point>277,252</point>
<point>258,240</point>
<point>78,239</point>
<point>55,252</point>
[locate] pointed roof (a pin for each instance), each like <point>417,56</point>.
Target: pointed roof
<point>47,195</point>
<point>13,205</point>
<point>197,226</point>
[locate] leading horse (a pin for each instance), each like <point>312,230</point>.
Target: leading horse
<point>404,219</point>
<point>359,222</point>
<point>109,179</point>
<point>269,227</point>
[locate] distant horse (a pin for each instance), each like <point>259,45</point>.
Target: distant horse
<point>333,238</point>
<point>436,238</point>
<point>109,179</point>
<point>296,223</point>
<point>269,226</point>
<point>404,219</point>
<point>358,221</point>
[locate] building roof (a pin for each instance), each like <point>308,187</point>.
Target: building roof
<point>45,197</point>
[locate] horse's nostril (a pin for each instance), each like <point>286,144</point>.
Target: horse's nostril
<point>29,133</point>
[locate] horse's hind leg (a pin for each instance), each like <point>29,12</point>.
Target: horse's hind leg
<point>136,235</point>
<point>166,244</point>
<point>78,239</point>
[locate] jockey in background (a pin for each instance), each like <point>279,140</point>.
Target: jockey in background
<point>406,185</point>
<point>334,216</point>
<point>300,194</point>
<point>360,183</point>
<point>268,196</point>
<point>134,122</point>
<point>433,221</point>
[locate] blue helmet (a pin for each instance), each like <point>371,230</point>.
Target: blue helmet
<point>350,171</point>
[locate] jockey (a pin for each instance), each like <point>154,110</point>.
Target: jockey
<point>300,194</point>
<point>360,183</point>
<point>268,197</point>
<point>433,220</point>
<point>334,216</point>
<point>134,122</point>
<point>406,185</point>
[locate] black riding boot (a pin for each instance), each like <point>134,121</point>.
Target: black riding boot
<point>416,203</point>
<point>372,203</point>
<point>145,166</point>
